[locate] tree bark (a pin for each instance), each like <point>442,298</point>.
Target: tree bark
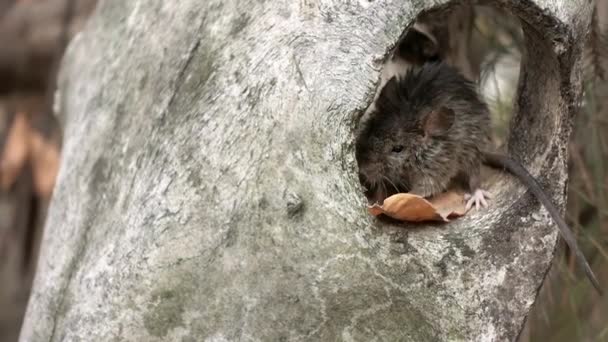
<point>208,187</point>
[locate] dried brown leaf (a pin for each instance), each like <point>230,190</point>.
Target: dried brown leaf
<point>413,208</point>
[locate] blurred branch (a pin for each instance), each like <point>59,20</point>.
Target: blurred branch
<point>32,33</point>
<point>597,51</point>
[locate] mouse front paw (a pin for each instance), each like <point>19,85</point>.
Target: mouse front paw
<point>477,198</point>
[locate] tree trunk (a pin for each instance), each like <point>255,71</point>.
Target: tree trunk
<point>208,186</point>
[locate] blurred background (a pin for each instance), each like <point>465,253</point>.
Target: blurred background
<point>34,34</point>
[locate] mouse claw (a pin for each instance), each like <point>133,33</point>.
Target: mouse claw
<point>477,198</point>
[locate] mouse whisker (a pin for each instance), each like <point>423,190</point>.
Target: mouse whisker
<point>384,190</point>
<point>393,184</point>
<point>404,185</point>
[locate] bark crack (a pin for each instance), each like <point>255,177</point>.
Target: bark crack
<point>80,251</point>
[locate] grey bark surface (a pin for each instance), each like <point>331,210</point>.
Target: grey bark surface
<point>208,187</point>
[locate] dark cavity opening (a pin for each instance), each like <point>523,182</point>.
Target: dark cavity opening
<point>484,44</point>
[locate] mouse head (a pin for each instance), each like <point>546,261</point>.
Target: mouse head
<point>410,124</point>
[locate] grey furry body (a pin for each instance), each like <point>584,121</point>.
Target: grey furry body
<point>436,115</point>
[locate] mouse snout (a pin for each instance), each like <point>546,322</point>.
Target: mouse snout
<point>362,178</point>
<point>368,173</point>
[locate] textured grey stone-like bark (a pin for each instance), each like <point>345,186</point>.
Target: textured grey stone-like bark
<point>208,187</point>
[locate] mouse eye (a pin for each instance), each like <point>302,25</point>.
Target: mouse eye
<point>397,148</point>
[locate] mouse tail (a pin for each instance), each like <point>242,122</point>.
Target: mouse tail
<point>501,161</point>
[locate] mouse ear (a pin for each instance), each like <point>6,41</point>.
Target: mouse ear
<point>418,46</point>
<point>438,121</point>
<point>389,100</point>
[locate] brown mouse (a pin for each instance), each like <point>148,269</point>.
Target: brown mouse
<point>425,132</point>
<point>429,129</point>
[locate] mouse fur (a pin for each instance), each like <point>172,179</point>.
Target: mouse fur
<point>426,131</point>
